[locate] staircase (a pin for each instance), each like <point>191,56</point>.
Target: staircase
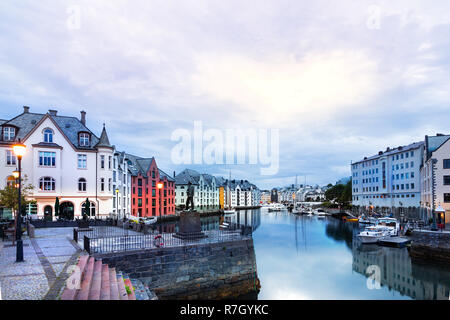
<point>97,282</point>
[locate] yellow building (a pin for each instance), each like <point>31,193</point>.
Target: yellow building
<point>222,197</point>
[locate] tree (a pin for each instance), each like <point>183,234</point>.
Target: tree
<point>9,196</point>
<point>341,194</point>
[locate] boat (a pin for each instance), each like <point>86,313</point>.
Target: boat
<point>276,207</point>
<point>391,224</point>
<point>151,220</point>
<point>373,234</point>
<point>349,219</point>
<point>229,211</point>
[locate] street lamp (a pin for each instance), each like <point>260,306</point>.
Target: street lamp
<point>160,185</point>
<point>19,150</point>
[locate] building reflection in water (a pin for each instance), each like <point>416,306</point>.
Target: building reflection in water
<point>398,273</point>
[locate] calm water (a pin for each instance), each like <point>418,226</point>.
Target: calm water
<point>300,257</point>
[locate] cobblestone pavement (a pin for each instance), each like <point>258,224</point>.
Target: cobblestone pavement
<point>46,256</point>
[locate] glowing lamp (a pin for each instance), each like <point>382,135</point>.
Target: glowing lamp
<point>19,149</point>
<point>160,185</point>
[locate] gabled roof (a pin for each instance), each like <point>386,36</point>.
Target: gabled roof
<point>186,176</point>
<point>70,127</point>
<point>162,174</point>
<point>138,165</point>
<point>435,142</point>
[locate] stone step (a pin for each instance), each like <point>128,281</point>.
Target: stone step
<point>122,291</point>
<point>83,293</point>
<point>113,284</point>
<point>128,284</point>
<point>70,294</point>
<point>96,286</point>
<point>105,292</point>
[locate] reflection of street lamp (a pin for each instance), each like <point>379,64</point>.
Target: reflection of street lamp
<point>19,150</point>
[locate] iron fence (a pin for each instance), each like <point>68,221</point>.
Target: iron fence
<point>99,232</point>
<point>155,239</point>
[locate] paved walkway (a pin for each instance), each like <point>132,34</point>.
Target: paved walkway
<point>43,272</point>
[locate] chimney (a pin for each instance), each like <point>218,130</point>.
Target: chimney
<point>174,174</point>
<point>83,117</point>
<point>26,109</point>
<point>53,112</point>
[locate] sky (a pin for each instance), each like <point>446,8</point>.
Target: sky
<point>336,80</point>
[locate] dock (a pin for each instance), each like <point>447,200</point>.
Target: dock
<point>397,242</point>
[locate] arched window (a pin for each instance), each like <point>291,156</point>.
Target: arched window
<point>47,184</point>
<point>91,208</point>
<point>48,135</point>
<point>82,184</point>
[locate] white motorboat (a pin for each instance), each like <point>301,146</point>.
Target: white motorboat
<point>391,224</point>
<point>373,234</point>
<point>151,220</point>
<point>367,220</point>
<point>276,207</point>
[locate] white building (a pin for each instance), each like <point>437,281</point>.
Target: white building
<point>435,175</point>
<point>241,193</point>
<point>121,185</point>
<point>64,159</point>
<point>206,189</point>
<point>389,181</point>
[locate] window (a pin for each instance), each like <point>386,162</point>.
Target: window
<point>82,184</point>
<point>82,161</point>
<point>10,158</point>
<point>109,162</point>
<point>102,162</point>
<point>102,184</point>
<point>139,192</point>
<point>446,197</point>
<point>47,159</point>
<point>153,192</point>
<point>446,163</point>
<point>139,202</point>
<point>412,164</point>
<point>47,184</point>
<point>446,180</point>
<point>84,139</point>
<point>9,133</point>
<point>48,135</point>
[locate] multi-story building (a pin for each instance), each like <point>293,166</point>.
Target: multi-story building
<point>265,196</point>
<point>147,199</point>
<point>389,182</point>
<point>64,159</point>
<point>435,175</point>
<point>241,193</point>
<point>206,186</point>
<point>121,185</point>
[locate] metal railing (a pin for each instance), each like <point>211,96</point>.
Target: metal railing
<point>155,239</point>
<point>99,232</point>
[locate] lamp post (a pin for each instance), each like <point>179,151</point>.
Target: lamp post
<point>160,185</point>
<point>19,150</point>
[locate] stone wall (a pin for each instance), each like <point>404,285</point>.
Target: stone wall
<point>205,271</point>
<point>431,246</point>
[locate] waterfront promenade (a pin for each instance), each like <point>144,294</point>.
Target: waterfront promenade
<point>47,257</point>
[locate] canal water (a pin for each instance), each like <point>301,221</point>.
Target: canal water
<point>301,257</point>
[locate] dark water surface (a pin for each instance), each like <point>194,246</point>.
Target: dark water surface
<point>301,257</point>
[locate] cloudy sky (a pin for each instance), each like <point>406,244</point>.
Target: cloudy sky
<point>340,80</point>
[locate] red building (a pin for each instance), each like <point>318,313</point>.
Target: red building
<point>152,190</point>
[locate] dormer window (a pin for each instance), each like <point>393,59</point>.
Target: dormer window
<point>9,133</point>
<point>84,139</point>
<point>48,135</point>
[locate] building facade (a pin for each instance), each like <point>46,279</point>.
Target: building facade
<point>147,199</point>
<point>121,188</point>
<point>64,160</point>
<point>207,189</point>
<point>435,176</point>
<point>389,182</point>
